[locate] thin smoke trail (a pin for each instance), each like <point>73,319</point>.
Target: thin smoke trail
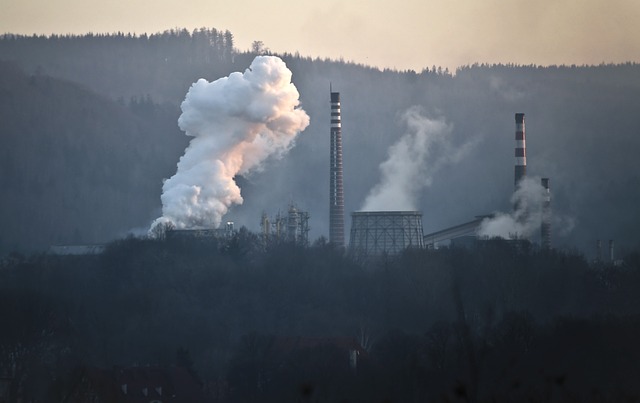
<point>413,162</point>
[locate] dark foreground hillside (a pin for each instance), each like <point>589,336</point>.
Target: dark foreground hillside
<point>271,323</point>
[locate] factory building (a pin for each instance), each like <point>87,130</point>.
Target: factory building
<point>202,234</point>
<point>460,231</point>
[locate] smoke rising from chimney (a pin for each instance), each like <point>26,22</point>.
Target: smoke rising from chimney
<point>525,219</point>
<point>413,162</point>
<point>236,122</point>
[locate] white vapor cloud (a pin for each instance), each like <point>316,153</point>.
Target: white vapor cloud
<point>527,215</point>
<point>236,122</point>
<point>413,162</point>
<point>525,219</point>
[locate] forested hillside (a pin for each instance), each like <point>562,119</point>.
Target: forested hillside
<point>581,133</point>
<point>77,167</point>
<point>119,65</point>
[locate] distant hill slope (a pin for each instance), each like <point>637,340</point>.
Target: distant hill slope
<point>119,65</point>
<point>581,122</point>
<point>76,167</point>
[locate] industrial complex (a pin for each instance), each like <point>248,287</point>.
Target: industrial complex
<point>374,234</point>
<point>378,233</point>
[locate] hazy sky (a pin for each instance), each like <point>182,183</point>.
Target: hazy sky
<point>402,34</point>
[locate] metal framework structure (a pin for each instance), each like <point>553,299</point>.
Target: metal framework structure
<point>292,227</point>
<point>377,233</point>
<point>298,226</point>
<point>336,191</point>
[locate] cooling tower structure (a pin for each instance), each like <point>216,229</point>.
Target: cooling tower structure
<point>521,150</point>
<point>378,233</point>
<point>336,191</point>
<point>545,225</point>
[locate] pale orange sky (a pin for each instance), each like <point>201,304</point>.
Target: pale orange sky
<point>401,34</point>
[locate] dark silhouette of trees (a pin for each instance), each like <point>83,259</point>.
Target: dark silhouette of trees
<point>223,306</point>
<point>126,65</point>
<point>258,48</point>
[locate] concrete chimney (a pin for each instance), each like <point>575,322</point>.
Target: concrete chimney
<point>336,191</point>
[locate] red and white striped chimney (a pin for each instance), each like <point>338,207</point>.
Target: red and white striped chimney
<point>521,150</point>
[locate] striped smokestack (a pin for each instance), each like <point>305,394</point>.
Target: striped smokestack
<point>521,150</point>
<point>545,227</point>
<point>336,192</point>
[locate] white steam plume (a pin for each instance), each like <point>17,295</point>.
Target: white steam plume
<point>525,219</point>
<point>236,123</point>
<point>413,161</point>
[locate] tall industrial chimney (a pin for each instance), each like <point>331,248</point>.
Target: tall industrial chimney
<point>521,150</point>
<point>611,256</point>
<point>545,226</point>
<point>336,192</point>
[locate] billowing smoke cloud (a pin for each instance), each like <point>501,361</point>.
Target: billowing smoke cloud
<point>527,215</point>
<point>525,219</point>
<point>236,122</point>
<point>413,162</point>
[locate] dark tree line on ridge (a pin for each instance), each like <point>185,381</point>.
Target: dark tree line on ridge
<point>126,65</point>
